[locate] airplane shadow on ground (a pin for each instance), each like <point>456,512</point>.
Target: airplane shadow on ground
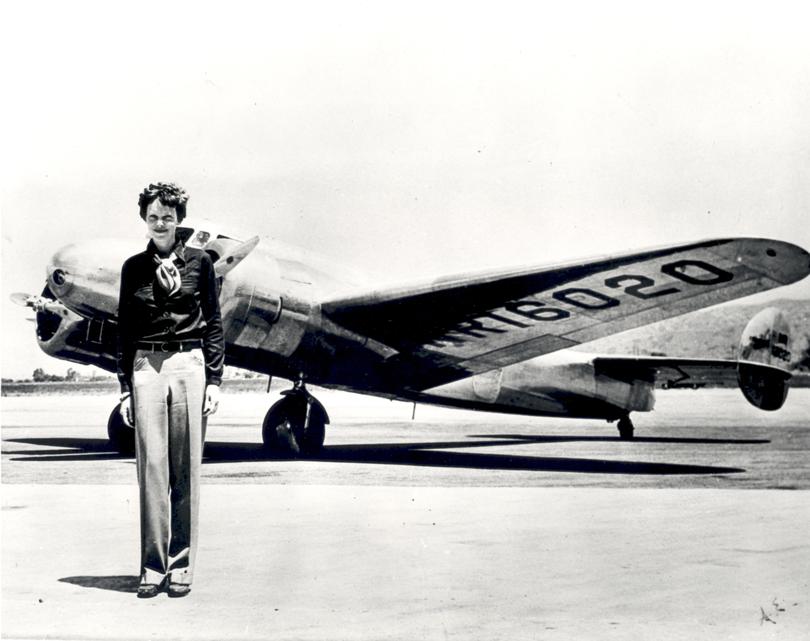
<point>426,454</point>
<point>72,449</point>
<point>120,583</point>
<point>423,454</point>
<point>530,438</point>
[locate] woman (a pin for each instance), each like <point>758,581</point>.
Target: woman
<point>170,361</point>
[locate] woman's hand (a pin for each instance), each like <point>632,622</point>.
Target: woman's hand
<point>211,399</point>
<point>126,410</point>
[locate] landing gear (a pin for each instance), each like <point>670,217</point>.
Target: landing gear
<point>295,425</point>
<point>625,426</point>
<point>122,436</point>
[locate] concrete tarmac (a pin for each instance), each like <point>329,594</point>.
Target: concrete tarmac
<point>455,525</point>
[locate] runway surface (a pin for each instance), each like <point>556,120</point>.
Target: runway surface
<point>454,525</point>
<point>703,438</point>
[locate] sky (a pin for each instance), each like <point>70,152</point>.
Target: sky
<point>409,140</point>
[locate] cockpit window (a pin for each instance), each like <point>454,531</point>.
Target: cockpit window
<point>198,238</point>
<point>215,244</point>
<point>201,238</point>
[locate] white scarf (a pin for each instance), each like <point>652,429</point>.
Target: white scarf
<point>168,276</point>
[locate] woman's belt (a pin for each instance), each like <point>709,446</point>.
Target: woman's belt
<point>169,346</point>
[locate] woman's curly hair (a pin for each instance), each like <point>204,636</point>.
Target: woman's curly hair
<point>170,195</point>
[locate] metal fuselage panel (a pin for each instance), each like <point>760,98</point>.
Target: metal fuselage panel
<point>273,324</point>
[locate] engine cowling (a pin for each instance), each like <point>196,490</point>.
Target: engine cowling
<point>64,334</point>
<point>765,342</point>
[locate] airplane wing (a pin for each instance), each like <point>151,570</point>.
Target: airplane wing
<point>680,372</point>
<point>455,327</point>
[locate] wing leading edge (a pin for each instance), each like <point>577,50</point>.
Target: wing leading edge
<point>465,325</point>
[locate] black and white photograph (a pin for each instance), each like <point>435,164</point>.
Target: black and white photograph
<point>394,321</point>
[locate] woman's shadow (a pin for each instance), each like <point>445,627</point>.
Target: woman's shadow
<point>121,583</point>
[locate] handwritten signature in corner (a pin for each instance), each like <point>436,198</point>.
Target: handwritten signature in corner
<point>767,616</point>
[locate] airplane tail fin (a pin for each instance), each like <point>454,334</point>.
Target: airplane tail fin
<point>765,342</point>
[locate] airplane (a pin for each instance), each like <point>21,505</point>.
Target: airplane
<point>495,341</point>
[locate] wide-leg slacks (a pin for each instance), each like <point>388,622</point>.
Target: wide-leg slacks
<point>168,391</point>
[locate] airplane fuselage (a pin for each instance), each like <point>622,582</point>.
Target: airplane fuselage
<point>427,343</point>
<point>273,325</point>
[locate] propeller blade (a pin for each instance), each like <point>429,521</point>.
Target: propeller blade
<point>21,298</point>
<point>230,260</point>
<point>39,303</point>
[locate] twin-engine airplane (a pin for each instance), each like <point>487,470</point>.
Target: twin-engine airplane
<point>495,341</point>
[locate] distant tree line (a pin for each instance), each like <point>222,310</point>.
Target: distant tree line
<point>800,361</point>
<point>41,376</point>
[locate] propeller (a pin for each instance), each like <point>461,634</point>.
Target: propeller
<point>21,299</point>
<point>39,303</point>
<point>231,259</point>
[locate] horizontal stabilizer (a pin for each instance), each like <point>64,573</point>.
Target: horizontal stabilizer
<point>669,372</point>
<point>762,371</point>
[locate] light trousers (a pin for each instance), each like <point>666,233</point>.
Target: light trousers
<point>168,391</point>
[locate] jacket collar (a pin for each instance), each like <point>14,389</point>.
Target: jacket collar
<point>179,249</point>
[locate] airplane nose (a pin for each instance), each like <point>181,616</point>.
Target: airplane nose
<point>85,276</point>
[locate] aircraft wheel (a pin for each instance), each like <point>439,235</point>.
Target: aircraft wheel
<point>283,430</point>
<point>625,428</point>
<point>278,434</point>
<point>122,436</point>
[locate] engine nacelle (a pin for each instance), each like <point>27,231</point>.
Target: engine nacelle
<point>64,334</point>
<point>765,342</point>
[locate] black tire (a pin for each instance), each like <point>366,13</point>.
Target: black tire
<point>277,433</point>
<point>122,437</point>
<point>283,431</point>
<point>626,429</point>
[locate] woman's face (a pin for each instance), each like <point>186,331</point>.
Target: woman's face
<point>161,223</point>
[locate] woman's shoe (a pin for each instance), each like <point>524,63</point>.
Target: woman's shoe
<point>148,590</point>
<point>176,590</point>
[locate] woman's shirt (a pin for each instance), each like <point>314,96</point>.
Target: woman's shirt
<point>147,312</point>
